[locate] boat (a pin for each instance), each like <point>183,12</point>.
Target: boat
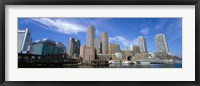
<point>127,62</point>
<point>113,61</point>
<point>157,62</point>
<point>150,60</point>
<point>142,62</point>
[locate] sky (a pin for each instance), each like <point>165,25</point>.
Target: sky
<point>123,31</point>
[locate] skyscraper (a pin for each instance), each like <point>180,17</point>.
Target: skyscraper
<point>24,39</point>
<point>96,45</point>
<point>77,46</point>
<point>104,43</point>
<point>73,46</point>
<point>142,44</point>
<point>161,43</point>
<point>90,36</point>
<point>113,48</point>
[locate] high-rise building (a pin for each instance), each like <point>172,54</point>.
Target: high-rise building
<point>73,46</point>
<point>47,47</point>
<point>104,43</point>
<point>161,43</point>
<point>24,40</point>
<point>96,45</point>
<point>142,44</point>
<point>77,46</point>
<point>90,36</point>
<point>87,53</point>
<point>135,49</point>
<point>113,48</point>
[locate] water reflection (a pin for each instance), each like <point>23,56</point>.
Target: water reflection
<point>126,66</point>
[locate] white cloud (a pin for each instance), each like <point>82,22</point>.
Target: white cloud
<point>61,26</point>
<point>122,40</point>
<point>71,25</point>
<point>145,31</point>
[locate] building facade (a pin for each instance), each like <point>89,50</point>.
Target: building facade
<point>161,43</point>
<point>87,54</point>
<point>77,46</point>
<point>96,45</point>
<point>142,44</point>
<point>24,40</point>
<point>141,56</point>
<point>73,47</point>
<point>113,48</point>
<point>135,49</point>
<point>61,47</point>
<point>47,47</point>
<point>104,43</point>
<point>90,36</point>
<point>104,57</point>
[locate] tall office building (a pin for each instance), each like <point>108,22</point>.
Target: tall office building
<point>96,45</point>
<point>142,44</point>
<point>113,48</point>
<point>104,43</point>
<point>73,46</point>
<point>77,46</point>
<point>90,36</point>
<point>24,40</point>
<point>161,43</point>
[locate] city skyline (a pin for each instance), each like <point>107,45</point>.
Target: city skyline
<point>117,33</point>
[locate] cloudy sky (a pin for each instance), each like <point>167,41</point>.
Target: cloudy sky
<point>123,31</point>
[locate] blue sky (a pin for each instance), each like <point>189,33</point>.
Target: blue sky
<point>123,31</point>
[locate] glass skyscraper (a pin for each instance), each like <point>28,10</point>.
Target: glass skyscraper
<point>24,40</point>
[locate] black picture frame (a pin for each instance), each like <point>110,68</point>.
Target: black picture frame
<point>97,2</point>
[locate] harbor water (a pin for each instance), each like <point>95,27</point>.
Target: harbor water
<point>119,66</point>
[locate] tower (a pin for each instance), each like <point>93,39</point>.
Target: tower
<point>71,46</point>
<point>142,44</point>
<point>90,36</point>
<point>161,43</point>
<point>104,43</point>
<point>24,39</point>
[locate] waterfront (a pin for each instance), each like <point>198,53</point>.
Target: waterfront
<point>115,66</point>
<point>98,48</point>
